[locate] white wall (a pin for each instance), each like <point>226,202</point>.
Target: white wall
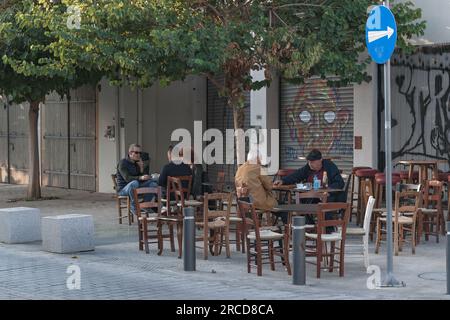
<point>365,120</point>
<point>107,149</point>
<point>436,15</point>
<point>163,110</point>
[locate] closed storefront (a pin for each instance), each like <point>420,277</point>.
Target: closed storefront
<point>314,115</point>
<point>14,143</point>
<point>69,140</point>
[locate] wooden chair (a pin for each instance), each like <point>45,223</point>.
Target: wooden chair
<point>335,239</point>
<point>431,214</point>
<point>404,220</point>
<point>173,217</point>
<point>260,242</point>
<point>283,196</point>
<point>364,231</point>
<point>146,218</point>
<point>215,224</point>
<point>123,202</point>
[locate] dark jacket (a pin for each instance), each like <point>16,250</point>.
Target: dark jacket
<point>335,180</point>
<point>127,171</point>
<point>197,180</point>
<point>173,170</point>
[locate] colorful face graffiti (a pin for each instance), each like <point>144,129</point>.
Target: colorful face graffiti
<point>314,119</point>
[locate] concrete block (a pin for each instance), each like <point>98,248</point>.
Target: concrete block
<point>68,233</point>
<point>20,225</point>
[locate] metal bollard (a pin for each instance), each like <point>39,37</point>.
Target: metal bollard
<point>298,245</point>
<point>448,256</point>
<point>189,239</point>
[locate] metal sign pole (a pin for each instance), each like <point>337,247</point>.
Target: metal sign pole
<point>389,278</point>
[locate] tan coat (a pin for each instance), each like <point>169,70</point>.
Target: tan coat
<point>259,186</point>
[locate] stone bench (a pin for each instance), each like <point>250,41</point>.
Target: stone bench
<point>68,233</point>
<point>20,225</point>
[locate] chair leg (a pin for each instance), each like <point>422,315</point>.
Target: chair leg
<point>171,237</point>
<point>341,259</point>
<point>145,233</point>
<point>258,259</point>
<point>249,257</point>
<point>366,252</point>
<point>141,238</point>
<point>271,258</point>
<point>377,244</point>
<point>319,258</point>
<point>227,242</point>
<point>332,249</point>
<point>180,239</point>
<point>238,237</point>
<point>160,238</point>
<point>205,242</point>
<point>413,240</point>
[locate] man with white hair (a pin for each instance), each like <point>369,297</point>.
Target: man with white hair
<point>259,185</point>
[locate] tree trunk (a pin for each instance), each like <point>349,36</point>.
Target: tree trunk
<point>239,120</point>
<point>34,186</point>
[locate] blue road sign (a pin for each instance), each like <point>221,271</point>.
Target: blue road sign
<point>381,34</point>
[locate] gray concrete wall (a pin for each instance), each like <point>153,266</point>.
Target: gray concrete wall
<point>149,117</point>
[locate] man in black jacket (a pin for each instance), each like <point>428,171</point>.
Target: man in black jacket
<point>132,173</point>
<point>316,167</point>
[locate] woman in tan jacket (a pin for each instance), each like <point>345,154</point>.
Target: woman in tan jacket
<point>259,185</point>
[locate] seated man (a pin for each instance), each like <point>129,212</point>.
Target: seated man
<point>132,173</point>
<point>175,168</point>
<point>259,186</point>
<point>316,166</point>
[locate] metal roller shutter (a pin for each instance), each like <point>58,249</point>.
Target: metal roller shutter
<point>314,115</point>
<point>220,116</point>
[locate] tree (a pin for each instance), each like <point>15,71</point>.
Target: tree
<point>28,70</point>
<point>140,42</point>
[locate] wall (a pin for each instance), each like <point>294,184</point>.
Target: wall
<point>107,148</point>
<point>365,120</point>
<point>167,109</point>
<point>163,110</point>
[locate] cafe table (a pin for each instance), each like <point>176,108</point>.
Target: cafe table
<point>423,168</point>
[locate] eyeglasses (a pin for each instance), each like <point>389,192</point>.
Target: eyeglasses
<point>136,152</point>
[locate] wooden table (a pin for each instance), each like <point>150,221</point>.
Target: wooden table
<point>423,168</point>
<point>299,208</point>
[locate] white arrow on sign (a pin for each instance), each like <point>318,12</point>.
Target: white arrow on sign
<point>375,35</point>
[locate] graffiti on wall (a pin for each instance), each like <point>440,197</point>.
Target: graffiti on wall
<point>316,120</point>
<point>421,106</point>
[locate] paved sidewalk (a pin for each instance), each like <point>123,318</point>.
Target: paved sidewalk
<point>117,270</point>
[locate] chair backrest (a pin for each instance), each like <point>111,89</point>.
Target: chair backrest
<point>347,179</point>
<point>250,220</point>
<point>432,193</point>
<point>312,195</point>
<point>114,179</point>
<point>368,214</point>
<point>220,182</point>
<point>155,204</point>
<point>403,202</point>
<point>212,212</point>
<point>338,220</point>
<point>408,187</point>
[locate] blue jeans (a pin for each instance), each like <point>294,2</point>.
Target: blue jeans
<point>129,188</point>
